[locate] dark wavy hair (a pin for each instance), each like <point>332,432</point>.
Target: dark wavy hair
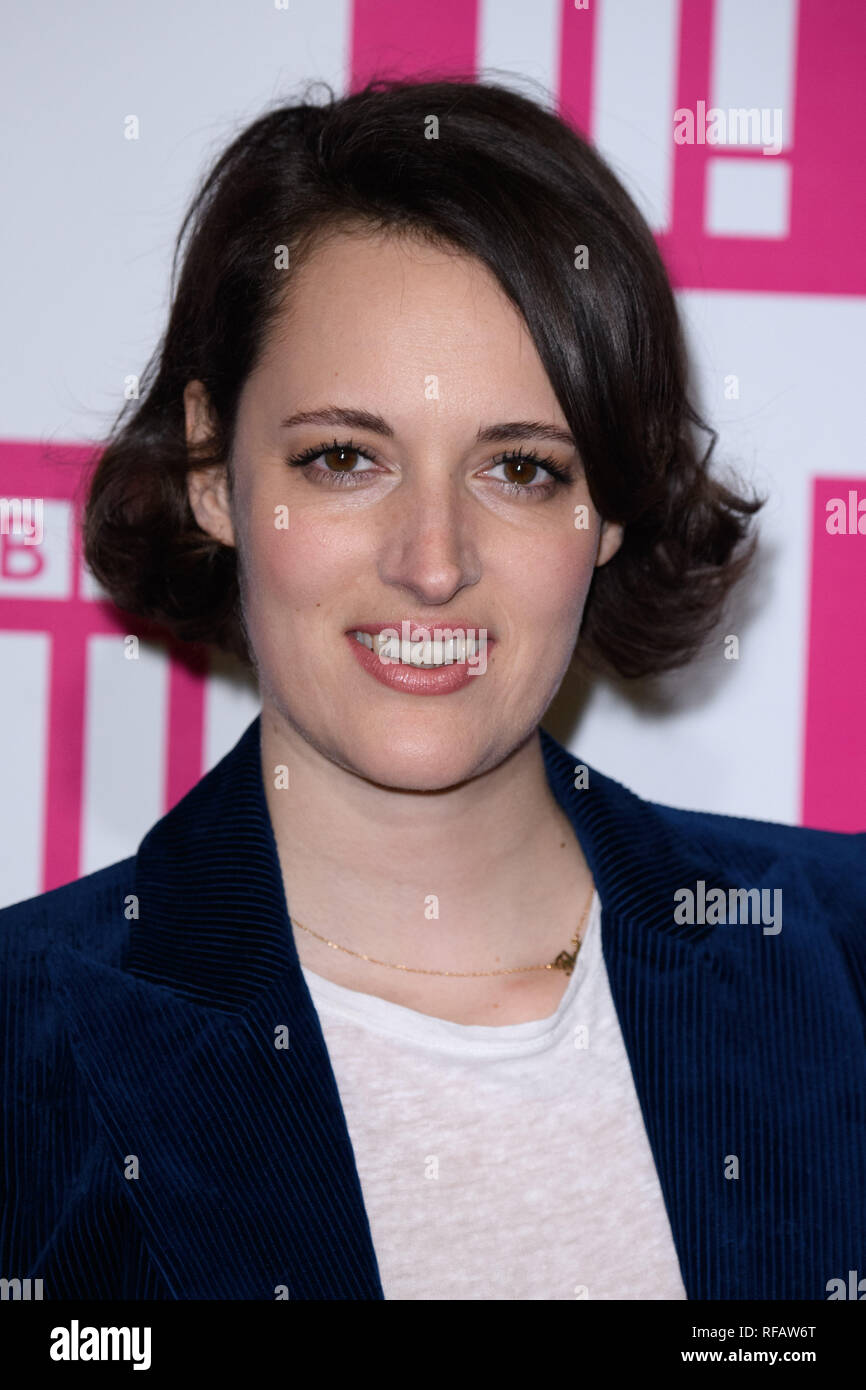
<point>513,185</point>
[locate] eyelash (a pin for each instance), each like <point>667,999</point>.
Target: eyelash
<point>560,474</point>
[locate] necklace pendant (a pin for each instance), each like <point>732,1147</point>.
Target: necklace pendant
<point>565,962</point>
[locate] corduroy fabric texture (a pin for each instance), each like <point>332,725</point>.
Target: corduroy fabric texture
<point>140,1013</point>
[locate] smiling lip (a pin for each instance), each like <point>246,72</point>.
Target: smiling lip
<point>456,625</point>
<point>412,680</point>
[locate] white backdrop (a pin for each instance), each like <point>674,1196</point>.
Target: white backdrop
<point>87,232</point>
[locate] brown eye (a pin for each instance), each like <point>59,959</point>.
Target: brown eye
<point>523,470</point>
<point>334,463</point>
<point>345,459</point>
<point>527,477</point>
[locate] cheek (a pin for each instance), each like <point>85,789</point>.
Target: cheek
<point>282,567</point>
<point>291,564</point>
<point>553,581</point>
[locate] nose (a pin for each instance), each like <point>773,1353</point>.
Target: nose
<point>429,545</point>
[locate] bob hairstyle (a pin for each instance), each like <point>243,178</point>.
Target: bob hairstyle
<point>463,165</point>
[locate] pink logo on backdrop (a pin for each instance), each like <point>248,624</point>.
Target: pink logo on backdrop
<point>834,770</point>
<point>44,589</point>
<point>819,174</point>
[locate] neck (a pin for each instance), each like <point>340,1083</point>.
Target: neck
<point>370,866</point>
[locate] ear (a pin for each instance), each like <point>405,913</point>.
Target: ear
<point>207,488</point>
<point>610,542</point>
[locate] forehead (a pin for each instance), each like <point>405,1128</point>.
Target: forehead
<point>366,302</point>
<point>393,264</point>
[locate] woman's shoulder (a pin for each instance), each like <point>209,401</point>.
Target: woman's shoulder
<point>741,832</point>
<point>50,1145</point>
<point>641,818</point>
<point>91,914</point>
<point>86,916</point>
<point>822,872</point>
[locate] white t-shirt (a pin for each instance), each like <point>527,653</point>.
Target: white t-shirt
<point>502,1162</point>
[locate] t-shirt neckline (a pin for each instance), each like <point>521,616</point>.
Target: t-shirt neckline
<point>384,1016</point>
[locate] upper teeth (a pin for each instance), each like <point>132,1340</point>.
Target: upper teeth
<point>437,652</point>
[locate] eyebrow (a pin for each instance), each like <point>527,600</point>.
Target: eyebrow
<point>366,420</point>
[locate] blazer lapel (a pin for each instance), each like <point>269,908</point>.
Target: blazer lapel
<point>741,1111</point>
<point>246,1185</point>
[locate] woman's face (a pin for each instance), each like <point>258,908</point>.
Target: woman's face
<point>415,518</point>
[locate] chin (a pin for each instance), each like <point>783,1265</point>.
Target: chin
<point>417,760</point>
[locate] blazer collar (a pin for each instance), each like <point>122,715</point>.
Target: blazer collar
<point>248,1182</point>
<point>214,924</point>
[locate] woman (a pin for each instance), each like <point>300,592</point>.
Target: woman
<point>402,1001</point>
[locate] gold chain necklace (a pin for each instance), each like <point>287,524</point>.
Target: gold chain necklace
<point>564,961</point>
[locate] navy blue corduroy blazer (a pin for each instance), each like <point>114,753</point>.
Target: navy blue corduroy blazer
<point>152,1038</point>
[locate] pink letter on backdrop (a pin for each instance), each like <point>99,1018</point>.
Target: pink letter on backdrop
<point>29,470</point>
<point>834,772</point>
<point>392,39</point>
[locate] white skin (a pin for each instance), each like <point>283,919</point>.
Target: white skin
<point>395,797</point>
